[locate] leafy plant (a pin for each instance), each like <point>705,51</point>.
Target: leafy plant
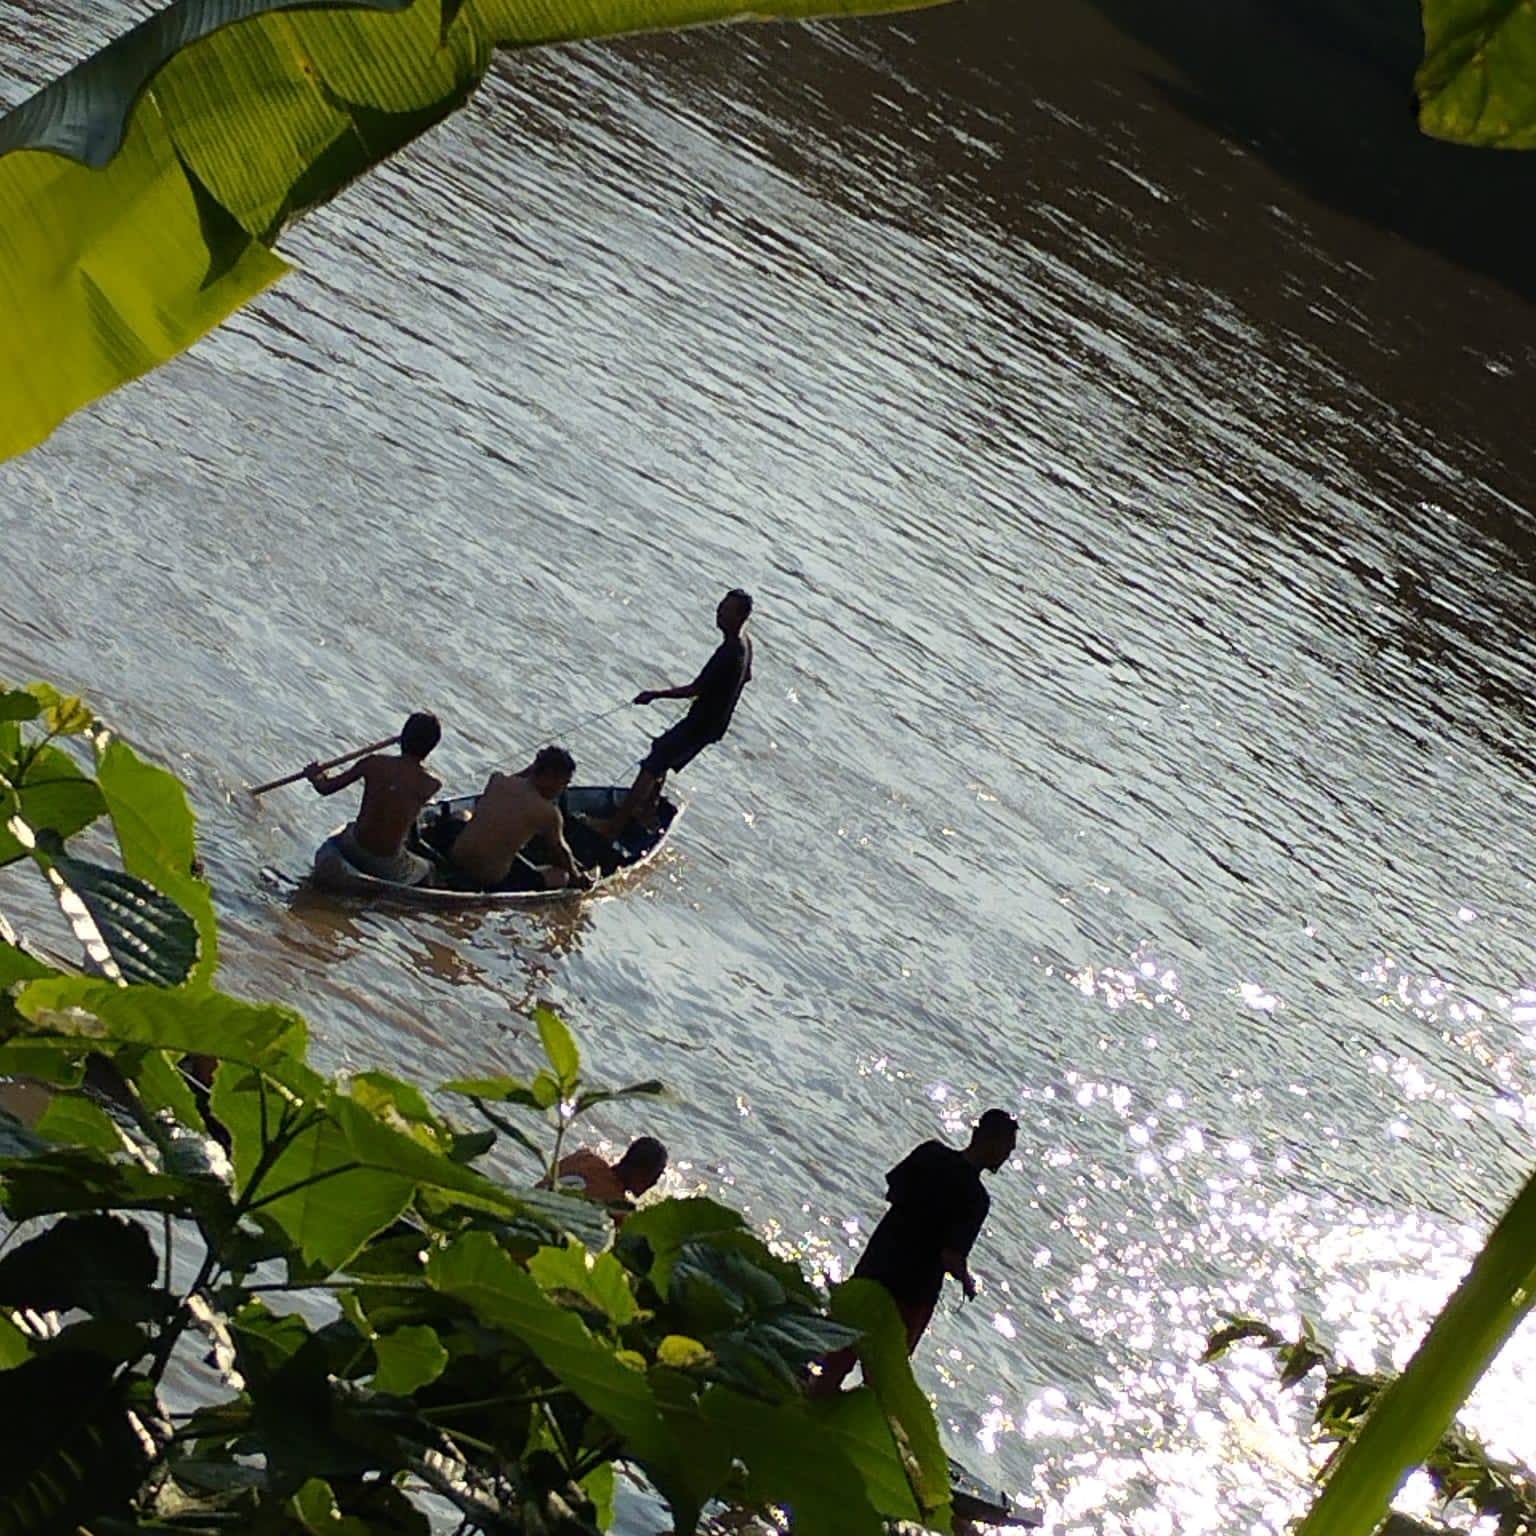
<point>377,1319</point>
<point>1457,1464</point>
<point>1477,84</point>
<point>142,192</point>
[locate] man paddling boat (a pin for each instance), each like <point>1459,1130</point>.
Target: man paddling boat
<point>395,788</point>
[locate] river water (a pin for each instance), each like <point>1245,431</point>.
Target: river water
<point>1131,469</point>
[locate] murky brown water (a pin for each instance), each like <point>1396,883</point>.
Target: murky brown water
<point>1141,733</point>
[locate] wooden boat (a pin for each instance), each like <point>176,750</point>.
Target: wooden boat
<point>981,1504</point>
<point>609,861</point>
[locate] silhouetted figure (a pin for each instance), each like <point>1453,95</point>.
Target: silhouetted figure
<point>714,693</point>
<point>937,1209</point>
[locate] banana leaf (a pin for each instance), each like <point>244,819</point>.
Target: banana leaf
<point>141,192</point>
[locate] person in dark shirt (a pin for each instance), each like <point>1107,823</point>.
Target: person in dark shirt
<point>714,693</point>
<point>937,1209</point>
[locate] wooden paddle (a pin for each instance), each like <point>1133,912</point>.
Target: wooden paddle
<point>335,762</point>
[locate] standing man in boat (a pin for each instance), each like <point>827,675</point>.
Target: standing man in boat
<point>938,1205</point>
<point>714,693</point>
<point>395,788</point>
<point>514,808</point>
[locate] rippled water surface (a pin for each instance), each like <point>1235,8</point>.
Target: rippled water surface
<point>1141,736</point>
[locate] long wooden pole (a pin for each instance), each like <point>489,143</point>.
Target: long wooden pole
<point>335,762</point>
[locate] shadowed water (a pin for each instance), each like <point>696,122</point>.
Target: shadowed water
<point>1140,737</point>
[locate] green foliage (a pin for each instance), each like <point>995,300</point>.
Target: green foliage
<point>560,1094</point>
<point>1456,1463</point>
<point>868,1308</point>
<point>142,191</point>
<point>152,919</point>
<point>1477,84</point>
<point>40,783</point>
<point>383,1313</point>
<point>44,788</point>
<point>155,832</point>
<point>134,931</point>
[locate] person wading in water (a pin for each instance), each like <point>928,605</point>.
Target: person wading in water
<point>937,1208</point>
<point>615,1184</point>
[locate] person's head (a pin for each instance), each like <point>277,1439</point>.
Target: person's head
<point>641,1165</point>
<point>552,770</point>
<point>734,610</point>
<point>420,735</point>
<point>994,1138</point>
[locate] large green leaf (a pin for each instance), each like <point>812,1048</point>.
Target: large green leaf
<point>602,1282</point>
<point>346,1176</point>
<point>46,1060</point>
<point>81,1179</point>
<point>499,1090</point>
<point>71,1120</point>
<point>162,1086</point>
<point>315,1189</point>
<point>18,704</point>
<point>140,193</point>
<point>147,936</point>
<point>1416,1409</point>
<point>15,1346</point>
<point>767,1357</point>
<point>659,1231</point>
<point>315,1505</point>
<point>792,1459</point>
<point>102,1264</point>
<point>97,1013</point>
<point>17,965</point>
<point>156,837</point>
<point>714,1287</point>
<point>867,1306</point>
<point>55,795</point>
<point>72,1452</point>
<point>856,1424</point>
<point>476,1271</point>
<point>559,1047</point>
<point>408,1358</point>
<point>1477,84</point>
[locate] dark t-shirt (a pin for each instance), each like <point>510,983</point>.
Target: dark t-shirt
<point>937,1202</point>
<point>725,674</point>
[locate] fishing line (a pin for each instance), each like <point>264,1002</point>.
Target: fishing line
<point>571,730</point>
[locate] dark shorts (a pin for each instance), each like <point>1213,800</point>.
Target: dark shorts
<point>675,749</point>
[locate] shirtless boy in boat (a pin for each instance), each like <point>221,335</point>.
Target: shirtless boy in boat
<point>395,788</point>
<point>512,809</point>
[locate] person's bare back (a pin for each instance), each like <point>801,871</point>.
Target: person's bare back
<point>394,791</point>
<point>512,809</point>
<point>395,787</point>
<point>509,812</point>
